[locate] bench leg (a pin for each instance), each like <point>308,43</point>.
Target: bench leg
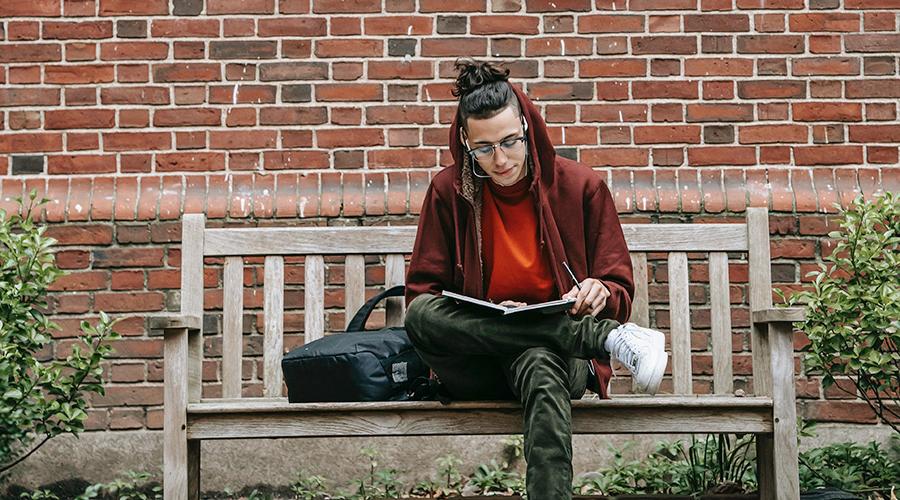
<point>193,469</point>
<point>175,397</point>
<point>784,406</point>
<point>765,466</point>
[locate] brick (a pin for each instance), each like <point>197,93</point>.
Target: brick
<point>451,25</point>
<point>770,44</point>
<point>764,134</point>
<point>79,74</point>
<point>132,8</point>
<point>398,25</point>
<point>30,143</point>
<point>719,112</point>
<point>133,73</point>
<point>128,257</point>
<point>28,165</point>
<point>345,6</point>
<point>293,116</point>
<point>257,139</point>
<point>292,27</point>
<point>81,234</point>
<point>557,5</point>
<point>53,30</point>
<point>72,259</point>
<point>402,158</point>
<point>135,163</point>
<point>127,280</point>
<point>137,141</point>
<point>178,28</point>
<point>664,45</point>
<point>561,91</point>
<point>832,111</point>
<point>349,48</point>
<point>216,7</point>
<point>29,97</point>
<point>70,304</point>
<point>293,71</point>
<point>33,8</point>
<point>81,118</point>
<point>31,53</point>
<point>80,281</point>
<point>186,72</point>
<point>655,90</point>
<point>129,395</point>
<point>129,302</point>
<point>716,23</point>
<point>828,155</point>
<point>135,95</point>
<point>772,89</point>
<point>242,50</point>
<point>126,418</point>
<point>134,51</point>
<point>837,411</point>
<point>429,6</point>
<point>276,160</point>
<point>187,7</point>
<point>718,67</point>
<point>448,46</point>
<point>496,24</point>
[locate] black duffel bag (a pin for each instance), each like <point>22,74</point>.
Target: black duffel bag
<point>359,364</point>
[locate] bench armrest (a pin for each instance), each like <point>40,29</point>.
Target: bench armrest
<point>779,315</point>
<point>175,321</point>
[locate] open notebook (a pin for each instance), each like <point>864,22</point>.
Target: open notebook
<point>544,307</point>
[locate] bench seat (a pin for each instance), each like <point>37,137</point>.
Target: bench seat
<point>276,418</point>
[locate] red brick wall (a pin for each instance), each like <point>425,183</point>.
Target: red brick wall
<point>129,113</point>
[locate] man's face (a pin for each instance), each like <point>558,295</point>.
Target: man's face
<point>506,165</point>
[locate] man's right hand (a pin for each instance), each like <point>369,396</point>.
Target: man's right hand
<point>512,303</point>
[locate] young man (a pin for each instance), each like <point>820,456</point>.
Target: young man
<point>498,225</point>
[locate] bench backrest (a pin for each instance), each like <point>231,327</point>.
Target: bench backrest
<point>349,247</point>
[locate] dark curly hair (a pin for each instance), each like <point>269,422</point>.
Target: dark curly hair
<point>483,90</point>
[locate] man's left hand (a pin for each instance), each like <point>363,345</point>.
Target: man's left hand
<point>591,299</point>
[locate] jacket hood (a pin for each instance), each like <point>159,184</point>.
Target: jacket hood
<point>541,153</point>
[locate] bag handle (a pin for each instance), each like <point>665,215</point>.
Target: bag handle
<point>358,323</point>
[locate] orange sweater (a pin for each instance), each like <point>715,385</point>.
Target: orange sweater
<point>515,267</point>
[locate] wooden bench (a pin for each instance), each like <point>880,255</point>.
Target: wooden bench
<point>770,413</point>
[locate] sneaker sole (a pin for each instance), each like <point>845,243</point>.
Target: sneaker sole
<point>658,364</point>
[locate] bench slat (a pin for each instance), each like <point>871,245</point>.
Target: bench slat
<point>355,294</point>
<point>273,341</point>
<point>314,296</point>
<point>400,239</point>
<point>192,247</point>
<point>720,317</point>
<point>394,274</point>
<point>640,306</point>
<point>232,319</point>
<point>760,275</point>
<point>430,418</point>
<point>680,320</point>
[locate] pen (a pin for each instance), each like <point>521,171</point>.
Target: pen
<point>572,275</point>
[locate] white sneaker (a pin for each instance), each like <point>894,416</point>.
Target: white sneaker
<point>642,351</point>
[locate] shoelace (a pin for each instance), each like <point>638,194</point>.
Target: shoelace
<point>622,343</point>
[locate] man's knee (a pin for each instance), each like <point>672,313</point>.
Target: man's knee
<point>541,365</point>
<point>416,316</point>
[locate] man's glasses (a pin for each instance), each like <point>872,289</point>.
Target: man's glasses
<point>511,145</point>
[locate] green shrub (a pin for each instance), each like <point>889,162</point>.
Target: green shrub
<point>39,399</point>
<point>853,311</point>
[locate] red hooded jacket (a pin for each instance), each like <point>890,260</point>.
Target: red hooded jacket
<point>577,220</point>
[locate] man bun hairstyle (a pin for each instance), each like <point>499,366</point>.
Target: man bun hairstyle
<point>483,90</point>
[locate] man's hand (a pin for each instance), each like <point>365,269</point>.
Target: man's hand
<point>512,303</point>
<point>591,299</point>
